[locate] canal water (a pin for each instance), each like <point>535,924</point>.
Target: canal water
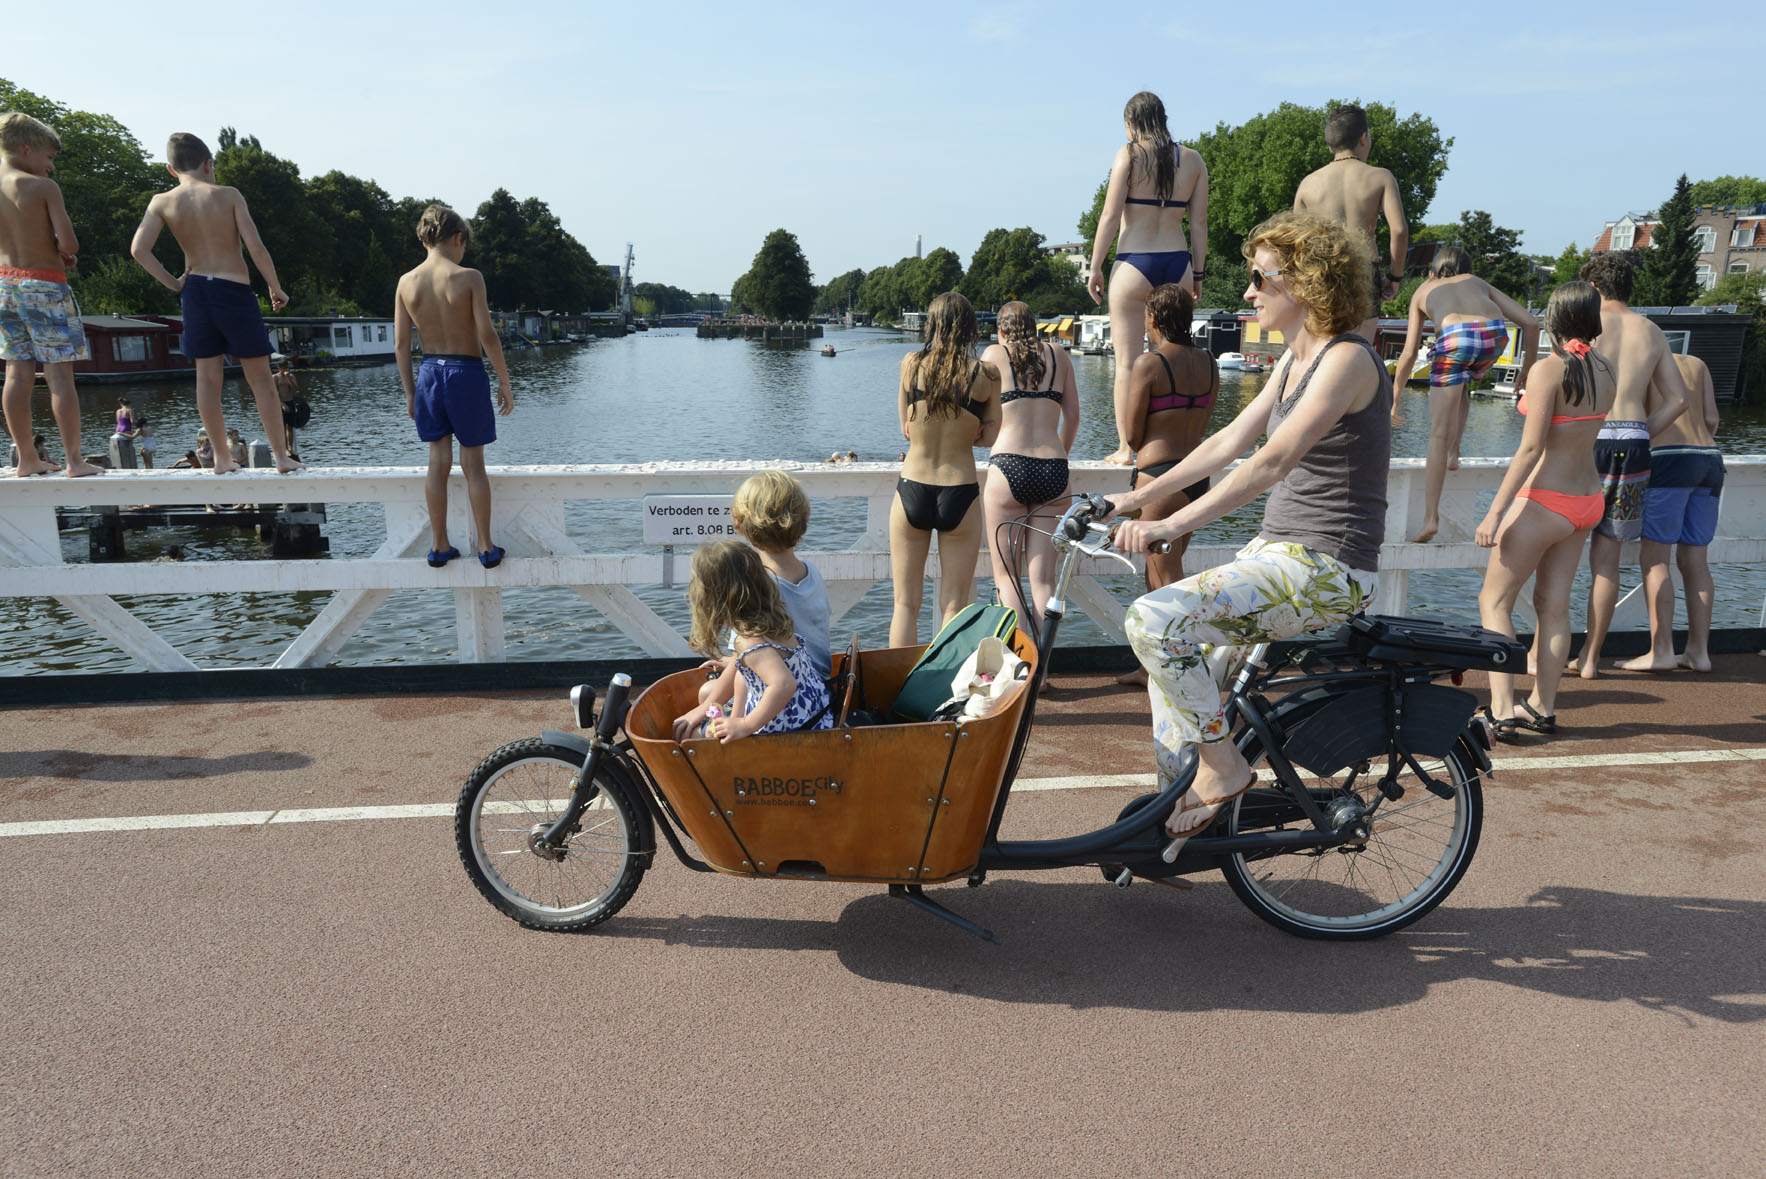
<point>654,396</point>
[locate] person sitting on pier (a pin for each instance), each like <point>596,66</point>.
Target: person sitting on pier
<point>1039,418</point>
<point>1154,184</point>
<point>948,404</point>
<point>1680,516</point>
<point>1644,362</point>
<point>1327,413</point>
<point>1468,313</point>
<point>39,320</point>
<point>221,315</point>
<point>450,395</point>
<point>778,688</point>
<point>1548,502</point>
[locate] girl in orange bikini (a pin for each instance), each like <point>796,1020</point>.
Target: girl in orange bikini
<point>1550,499</point>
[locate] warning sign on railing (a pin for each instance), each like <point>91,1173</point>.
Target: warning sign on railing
<point>686,519</point>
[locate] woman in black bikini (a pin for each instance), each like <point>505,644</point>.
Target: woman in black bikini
<point>1170,395</point>
<point>1154,185</point>
<point>1039,416</point>
<point>948,403</point>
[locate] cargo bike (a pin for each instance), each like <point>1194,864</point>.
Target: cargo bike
<point>1365,816</point>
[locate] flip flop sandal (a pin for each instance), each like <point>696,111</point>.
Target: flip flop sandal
<point>1539,724</point>
<point>1177,841</point>
<point>1502,730</point>
<point>438,559</point>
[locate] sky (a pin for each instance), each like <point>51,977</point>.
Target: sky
<point>692,130</point>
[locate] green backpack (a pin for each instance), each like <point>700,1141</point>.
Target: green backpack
<point>928,684</point>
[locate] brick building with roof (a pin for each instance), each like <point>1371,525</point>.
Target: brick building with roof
<point>1731,239</point>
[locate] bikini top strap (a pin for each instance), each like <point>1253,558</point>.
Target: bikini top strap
<point>1052,369</point>
<point>1170,378</point>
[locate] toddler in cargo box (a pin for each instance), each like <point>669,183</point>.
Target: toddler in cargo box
<point>778,688</point>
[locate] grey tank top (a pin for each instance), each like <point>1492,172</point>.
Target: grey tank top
<point>1334,500</point>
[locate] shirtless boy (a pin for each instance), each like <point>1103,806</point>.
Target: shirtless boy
<point>450,395</point>
<point>1468,314</point>
<point>1349,190</point>
<point>221,313</point>
<point>1650,396</point>
<point>1680,510</point>
<point>39,321</point>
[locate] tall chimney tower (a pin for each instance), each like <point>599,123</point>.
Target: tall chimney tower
<point>917,245</point>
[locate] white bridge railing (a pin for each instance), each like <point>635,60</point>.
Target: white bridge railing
<point>529,521</point>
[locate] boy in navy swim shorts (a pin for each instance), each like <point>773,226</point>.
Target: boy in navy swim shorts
<point>449,396</point>
<point>221,315</point>
<point>39,320</point>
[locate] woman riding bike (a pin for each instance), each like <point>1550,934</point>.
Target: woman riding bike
<point>1327,413</point>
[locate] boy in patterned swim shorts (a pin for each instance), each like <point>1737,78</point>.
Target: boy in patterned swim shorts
<point>39,320</point>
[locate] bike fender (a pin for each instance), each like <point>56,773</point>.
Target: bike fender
<point>1474,752</point>
<point>572,741</point>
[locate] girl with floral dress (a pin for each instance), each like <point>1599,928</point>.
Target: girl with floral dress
<point>778,688</point>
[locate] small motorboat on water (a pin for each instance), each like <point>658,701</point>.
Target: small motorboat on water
<point>828,350</point>
<point>1232,360</point>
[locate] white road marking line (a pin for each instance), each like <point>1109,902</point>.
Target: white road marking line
<point>442,810</point>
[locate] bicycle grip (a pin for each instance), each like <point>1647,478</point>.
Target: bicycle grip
<point>1159,546</point>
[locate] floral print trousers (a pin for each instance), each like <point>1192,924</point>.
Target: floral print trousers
<point>1189,635</point>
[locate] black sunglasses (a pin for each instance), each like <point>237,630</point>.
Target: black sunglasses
<point>1257,277</point>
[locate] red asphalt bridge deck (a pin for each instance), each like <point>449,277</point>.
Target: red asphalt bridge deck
<point>333,998</point>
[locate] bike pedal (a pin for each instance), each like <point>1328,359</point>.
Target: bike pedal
<point>1125,878</point>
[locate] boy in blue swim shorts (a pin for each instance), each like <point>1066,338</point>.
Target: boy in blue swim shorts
<point>39,320</point>
<point>449,396</point>
<point>221,315</point>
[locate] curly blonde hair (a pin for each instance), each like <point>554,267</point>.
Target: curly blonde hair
<point>1017,332</point>
<point>1325,265</point>
<point>771,510</point>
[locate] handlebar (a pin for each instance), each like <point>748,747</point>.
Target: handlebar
<point>1079,523</point>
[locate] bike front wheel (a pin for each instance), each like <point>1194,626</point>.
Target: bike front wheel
<point>1417,848</point>
<point>512,798</point>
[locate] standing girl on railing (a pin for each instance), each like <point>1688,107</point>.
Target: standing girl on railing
<point>1039,417</point>
<point>948,403</point>
<point>778,688</point>
<point>1154,184</point>
<point>1546,506</point>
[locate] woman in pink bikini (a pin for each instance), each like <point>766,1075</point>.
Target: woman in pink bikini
<point>1546,506</point>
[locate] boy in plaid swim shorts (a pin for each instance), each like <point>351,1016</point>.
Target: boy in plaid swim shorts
<point>39,320</point>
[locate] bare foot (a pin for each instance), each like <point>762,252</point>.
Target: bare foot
<point>1426,533</point>
<point>1121,456</point>
<point>1644,663</point>
<point>79,470</point>
<point>1133,679</point>
<point>1453,462</point>
<point>288,466</point>
<point>1196,810</point>
<point>1587,668</point>
<point>34,467</point>
<point>1694,662</point>
<point>224,469</point>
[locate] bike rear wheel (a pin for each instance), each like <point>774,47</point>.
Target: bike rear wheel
<point>1417,849</point>
<point>515,795</point>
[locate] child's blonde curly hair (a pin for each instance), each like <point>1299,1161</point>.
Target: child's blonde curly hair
<point>731,590</point>
<point>1325,265</point>
<point>771,509</point>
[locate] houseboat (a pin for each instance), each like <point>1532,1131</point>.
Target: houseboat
<point>320,340</point>
<point>1094,335</point>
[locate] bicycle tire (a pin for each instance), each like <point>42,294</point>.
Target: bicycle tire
<point>529,782</point>
<point>1313,894</point>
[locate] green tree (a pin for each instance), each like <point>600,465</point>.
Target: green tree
<point>1496,254</point>
<point>779,283</point>
<point>1729,190</point>
<point>707,301</point>
<point>879,295</point>
<point>940,271</point>
<point>1667,275</point>
<point>499,243</point>
<point>1748,293</point>
<point>370,248</point>
<point>1568,264</point>
<point>1398,306</point>
<point>300,242</point>
<point>840,292</point>
<point>117,286</point>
